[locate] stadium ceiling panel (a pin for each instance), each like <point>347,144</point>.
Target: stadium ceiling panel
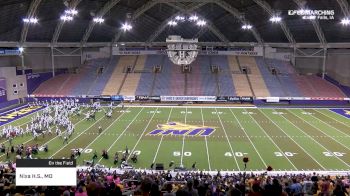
<point>263,4</point>
<point>31,13</point>
<point>301,4</point>
<point>73,4</point>
<point>149,19</point>
<point>210,25</point>
<point>109,5</point>
<point>235,12</point>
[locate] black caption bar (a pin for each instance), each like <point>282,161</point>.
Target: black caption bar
<point>45,163</point>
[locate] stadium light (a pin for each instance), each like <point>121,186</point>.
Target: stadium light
<point>30,20</point>
<point>71,12</point>
<point>193,18</point>
<point>180,18</point>
<point>201,23</point>
<point>20,49</point>
<point>275,19</point>
<point>126,27</point>
<point>247,27</point>
<point>98,20</point>
<point>172,23</point>
<point>66,18</point>
<point>345,21</point>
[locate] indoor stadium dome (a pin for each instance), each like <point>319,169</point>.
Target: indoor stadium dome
<point>174,97</point>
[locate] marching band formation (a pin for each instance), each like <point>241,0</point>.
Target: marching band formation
<point>55,117</point>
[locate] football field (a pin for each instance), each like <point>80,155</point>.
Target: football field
<point>213,138</point>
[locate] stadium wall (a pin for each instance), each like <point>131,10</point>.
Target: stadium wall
<point>9,61</point>
<point>16,85</point>
<point>39,59</point>
<point>338,66</point>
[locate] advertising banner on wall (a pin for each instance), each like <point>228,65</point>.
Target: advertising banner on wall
<point>3,96</point>
<point>188,98</point>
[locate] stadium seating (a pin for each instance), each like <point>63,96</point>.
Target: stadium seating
<point>200,81</point>
<point>282,67</point>
<point>209,84</point>
<point>194,80</point>
<point>51,86</point>
<point>117,77</point>
<point>88,75</point>
<point>145,84</point>
<point>171,81</point>
<point>102,79</point>
<point>241,85</point>
<point>224,76</point>
<point>273,85</point>
<point>234,66</point>
<point>132,79</point>
<point>255,77</point>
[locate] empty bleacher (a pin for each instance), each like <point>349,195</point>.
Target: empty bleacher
<point>229,81</point>
<point>51,86</point>
<point>209,83</point>
<point>87,76</point>
<point>255,77</point>
<point>115,81</point>
<point>224,76</point>
<point>132,79</point>
<point>241,85</point>
<point>146,80</point>
<point>194,80</point>
<point>234,66</point>
<point>271,81</point>
<point>102,78</point>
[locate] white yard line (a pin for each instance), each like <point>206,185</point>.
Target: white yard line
<point>314,139</point>
<point>161,139</point>
<point>183,143</point>
<point>293,140</point>
<point>206,142</point>
<point>182,151</point>
<point>143,132</point>
<point>242,128</point>
<point>321,131</point>
<point>70,141</point>
<point>206,146</point>
<point>272,140</point>
<point>321,121</point>
<point>228,141</point>
<point>120,135</point>
<point>334,118</point>
<point>104,131</point>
